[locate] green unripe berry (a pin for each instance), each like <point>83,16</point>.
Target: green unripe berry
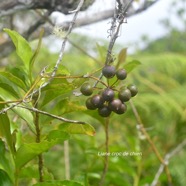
<point>121,74</point>
<point>124,95</point>
<point>133,89</point>
<point>86,89</point>
<point>89,104</point>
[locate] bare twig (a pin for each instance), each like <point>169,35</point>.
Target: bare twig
<point>65,39</point>
<point>145,133</point>
<point>176,150</point>
<point>120,15</point>
<point>117,21</point>
<point>52,115</point>
<point>166,159</point>
<point>10,107</point>
<point>119,3</point>
<point>143,130</point>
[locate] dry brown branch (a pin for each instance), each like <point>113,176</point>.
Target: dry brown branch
<point>6,47</point>
<point>9,7</point>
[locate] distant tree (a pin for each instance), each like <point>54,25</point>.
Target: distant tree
<point>175,25</point>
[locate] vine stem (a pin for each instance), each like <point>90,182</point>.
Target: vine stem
<point>81,76</point>
<point>38,140</point>
<point>145,133</point>
<point>115,28</point>
<point>67,160</point>
<point>116,23</point>
<point>106,160</point>
<point>16,177</point>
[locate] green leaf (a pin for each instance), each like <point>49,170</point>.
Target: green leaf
<point>65,106</point>
<point>13,79</point>
<point>131,65</point>
<point>59,183</point>
<point>57,136</point>
<point>23,48</point>
<point>28,151</point>
<point>26,115</point>
<point>8,91</point>
<point>62,70</point>
<point>23,113</point>
<point>4,179</point>
<point>56,88</point>
<point>55,93</point>
<point>78,82</point>
<point>121,57</point>
<point>30,172</point>
<point>34,56</point>
<point>5,163</point>
<point>5,129</point>
<point>20,73</point>
<point>102,52</point>
<point>77,129</point>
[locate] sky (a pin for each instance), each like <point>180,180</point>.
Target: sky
<point>146,23</point>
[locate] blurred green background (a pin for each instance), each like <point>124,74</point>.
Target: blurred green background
<point>161,103</point>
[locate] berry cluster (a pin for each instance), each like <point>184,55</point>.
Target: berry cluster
<point>109,99</point>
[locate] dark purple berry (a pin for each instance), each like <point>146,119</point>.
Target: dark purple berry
<point>109,71</point>
<point>124,95</point>
<point>108,94</point>
<point>89,104</point>
<point>97,101</point>
<point>121,74</point>
<point>115,105</point>
<point>104,111</point>
<point>122,109</point>
<point>133,89</point>
<point>86,89</point>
